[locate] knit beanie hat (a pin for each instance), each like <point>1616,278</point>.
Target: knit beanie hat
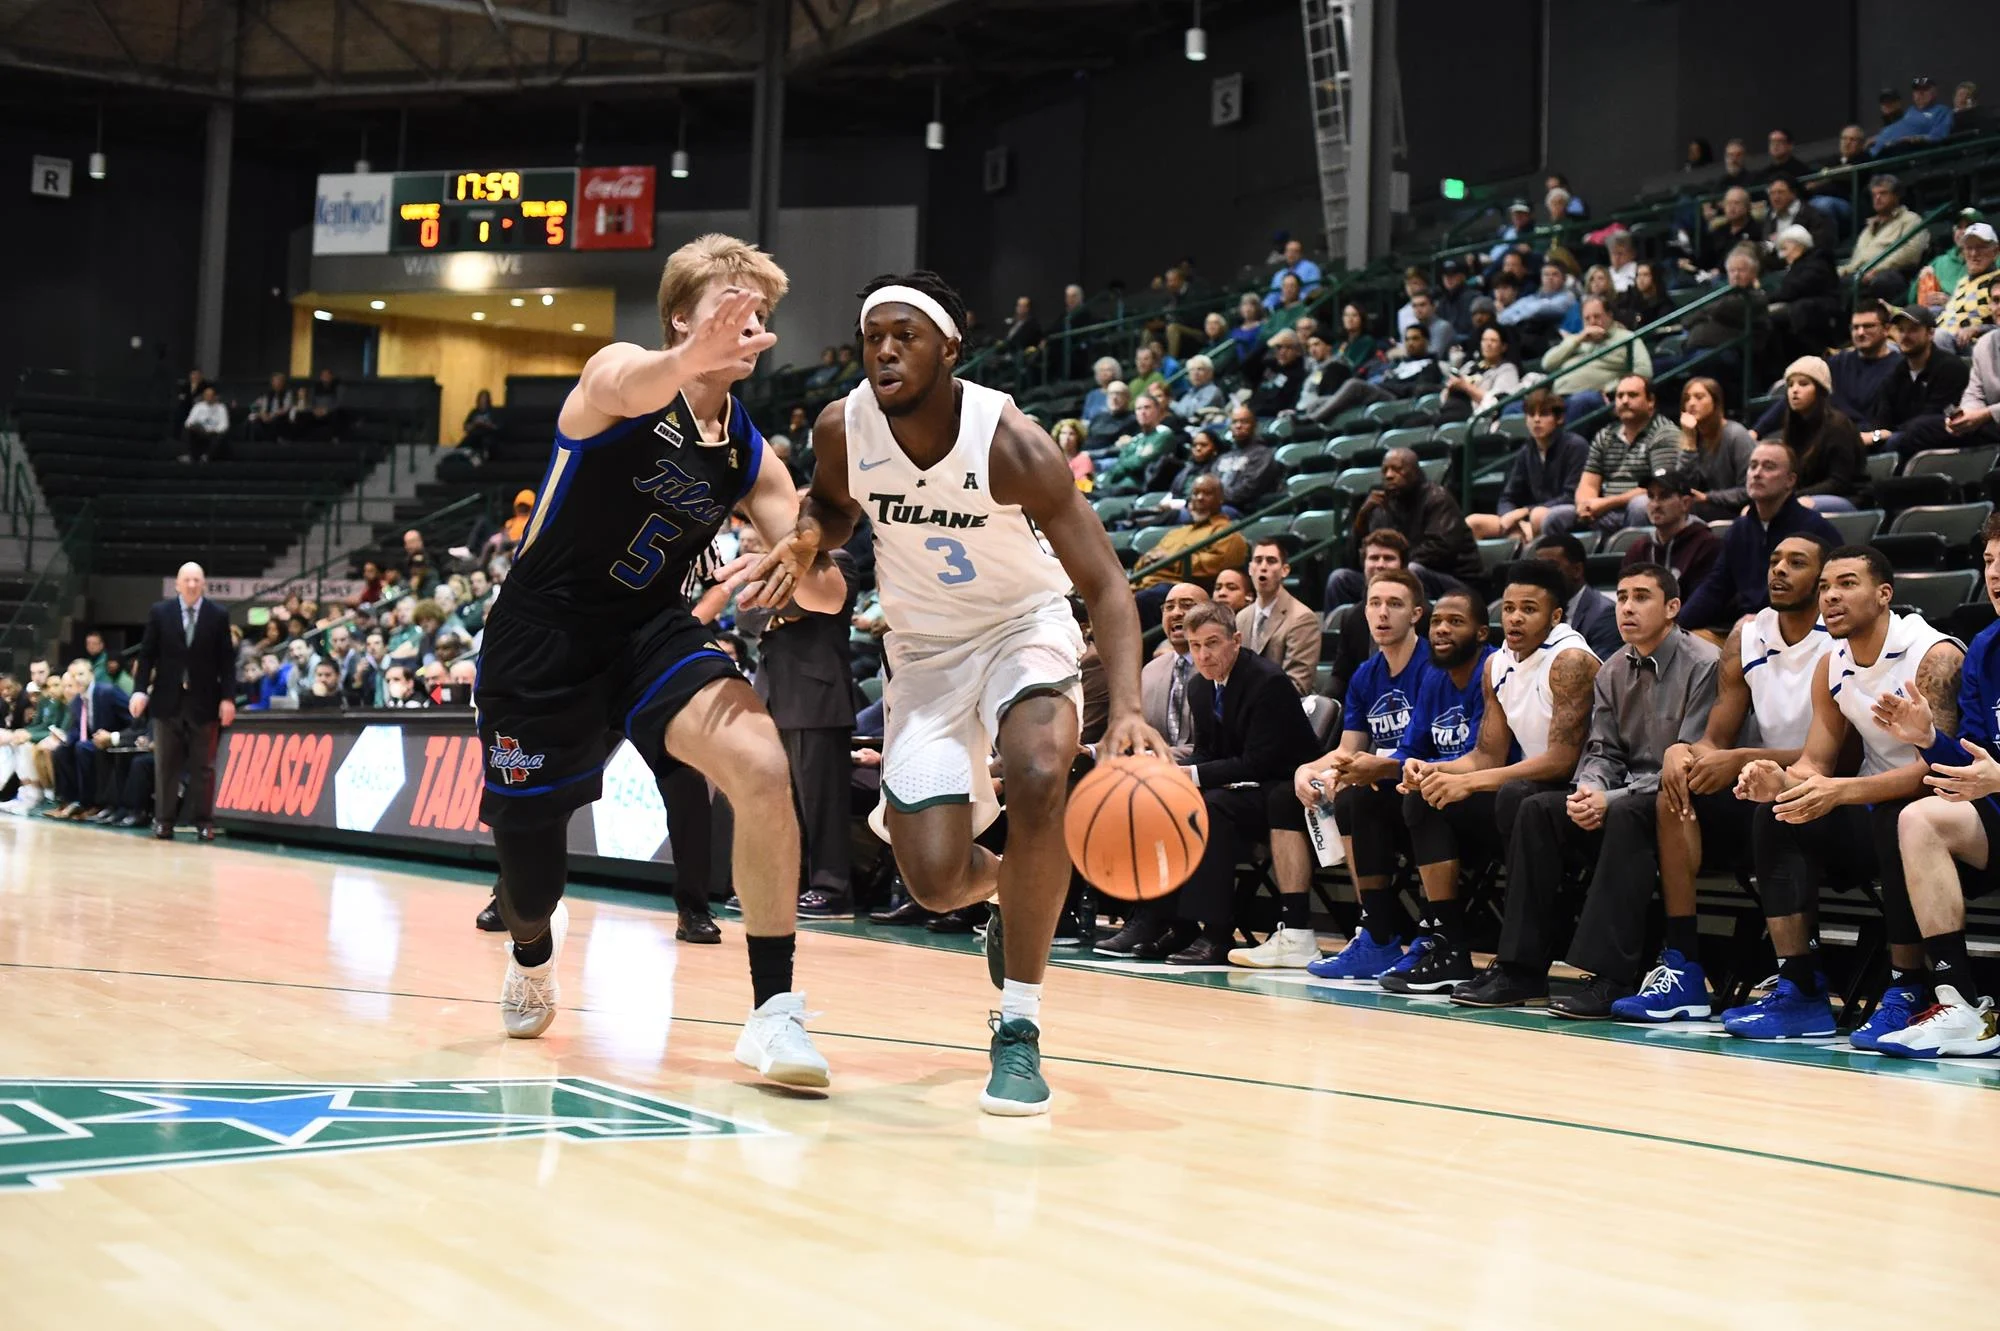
<point>1813,368</point>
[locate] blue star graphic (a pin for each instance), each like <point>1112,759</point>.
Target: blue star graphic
<point>286,1119</point>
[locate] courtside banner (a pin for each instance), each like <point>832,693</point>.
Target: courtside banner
<point>406,775</point>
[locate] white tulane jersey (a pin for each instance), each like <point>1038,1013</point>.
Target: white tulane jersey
<point>950,561</point>
<point>1780,679</point>
<point>1525,691</point>
<point>1855,688</point>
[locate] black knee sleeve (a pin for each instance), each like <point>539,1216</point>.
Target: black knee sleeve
<point>534,863</point>
<point>1785,880</point>
<point>1899,917</point>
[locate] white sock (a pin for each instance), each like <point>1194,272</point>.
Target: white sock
<point>1021,1001</point>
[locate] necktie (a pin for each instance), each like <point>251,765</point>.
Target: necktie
<point>187,622</point>
<point>1218,703</point>
<point>1177,718</point>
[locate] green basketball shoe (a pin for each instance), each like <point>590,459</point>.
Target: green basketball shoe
<point>1016,1088</point>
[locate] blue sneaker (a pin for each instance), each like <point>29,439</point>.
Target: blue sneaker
<point>1420,947</point>
<point>1362,959</point>
<point>1783,1014</point>
<point>1894,1013</point>
<point>1676,988</point>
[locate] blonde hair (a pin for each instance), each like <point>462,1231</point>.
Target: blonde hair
<point>701,261</point>
<point>1069,423</point>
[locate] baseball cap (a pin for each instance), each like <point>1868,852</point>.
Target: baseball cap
<point>1452,266</point>
<point>1519,206</point>
<point>1921,81</point>
<point>1915,314</point>
<point>1671,480</point>
<point>1981,231</point>
<point>1967,216</point>
<point>1887,94</point>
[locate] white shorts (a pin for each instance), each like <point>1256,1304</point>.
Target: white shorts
<point>946,698</point>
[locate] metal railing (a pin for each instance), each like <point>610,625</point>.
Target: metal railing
<point>332,566</point>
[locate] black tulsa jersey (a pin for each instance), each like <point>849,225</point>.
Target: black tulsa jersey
<point>625,519</point>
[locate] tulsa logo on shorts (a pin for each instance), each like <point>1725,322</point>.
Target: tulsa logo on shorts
<point>512,761</point>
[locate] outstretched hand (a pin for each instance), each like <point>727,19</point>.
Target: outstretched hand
<point>724,339</point>
<point>1906,714</point>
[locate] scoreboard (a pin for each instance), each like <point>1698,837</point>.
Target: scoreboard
<point>483,210</point>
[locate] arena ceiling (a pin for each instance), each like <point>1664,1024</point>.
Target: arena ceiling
<point>357,53</point>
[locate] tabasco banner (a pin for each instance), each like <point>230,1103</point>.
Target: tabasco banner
<point>411,775</point>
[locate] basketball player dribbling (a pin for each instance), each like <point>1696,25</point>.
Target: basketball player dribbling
<point>982,644</point>
<point>592,642</point>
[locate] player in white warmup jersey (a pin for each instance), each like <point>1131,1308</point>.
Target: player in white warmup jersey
<point>962,490</point>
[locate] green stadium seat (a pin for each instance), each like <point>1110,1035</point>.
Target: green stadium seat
<point>1497,551</point>
<point>1856,528</point>
<point>1967,466</point>
<point>1316,524</point>
<point>1957,523</point>
<point>1146,538</point>
<point>1408,437</point>
<point>1263,528</point>
<point>1294,457</point>
<point>1881,466</point>
<point>1936,595</point>
<point>1306,483</point>
<point>1113,509</point>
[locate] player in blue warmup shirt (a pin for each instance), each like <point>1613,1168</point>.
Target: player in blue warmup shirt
<point>1359,777</point>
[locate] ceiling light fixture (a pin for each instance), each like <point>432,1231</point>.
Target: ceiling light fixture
<point>934,132</point>
<point>1197,38</point>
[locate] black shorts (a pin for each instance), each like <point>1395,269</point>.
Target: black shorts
<point>1978,882</point>
<point>557,693</point>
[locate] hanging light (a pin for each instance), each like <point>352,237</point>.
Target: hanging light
<point>361,162</point>
<point>934,132</point>
<point>1197,39</point>
<point>97,157</point>
<point>679,169</point>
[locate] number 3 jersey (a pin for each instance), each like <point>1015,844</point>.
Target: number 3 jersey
<point>950,560</point>
<point>624,520</point>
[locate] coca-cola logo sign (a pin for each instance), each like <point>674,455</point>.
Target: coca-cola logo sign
<point>615,208</point>
<point>629,186</point>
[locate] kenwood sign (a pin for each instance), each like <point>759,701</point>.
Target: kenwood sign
<point>351,214</point>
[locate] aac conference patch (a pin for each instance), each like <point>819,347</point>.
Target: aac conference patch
<point>53,1129</point>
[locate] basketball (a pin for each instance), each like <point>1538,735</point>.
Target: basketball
<point>1136,827</point>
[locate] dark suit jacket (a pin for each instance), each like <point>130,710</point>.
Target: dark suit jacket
<point>177,675</point>
<point>185,676</point>
<point>803,674</point>
<point>1263,735</point>
<point>108,711</point>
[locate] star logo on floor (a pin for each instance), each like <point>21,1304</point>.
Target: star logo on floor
<point>52,1129</point>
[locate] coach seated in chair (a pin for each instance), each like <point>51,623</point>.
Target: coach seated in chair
<point>93,708</point>
<point>1250,734</point>
<point>125,778</point>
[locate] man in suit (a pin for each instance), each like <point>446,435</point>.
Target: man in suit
<point>803,677</point>
<point>1163,684</point>
<point>1589,611</point>
<point>1276,625</point>
<point>1250,735</point>
<point>186,679</point>
<point>93,708</point>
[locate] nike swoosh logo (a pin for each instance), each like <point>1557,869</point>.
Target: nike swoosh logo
<point>867,464</point>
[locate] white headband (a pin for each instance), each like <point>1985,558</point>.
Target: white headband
<point>910,296</point>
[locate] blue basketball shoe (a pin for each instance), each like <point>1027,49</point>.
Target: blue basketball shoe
<point>1786,1013</point>
<point>1362,959</point>
<point>1674,989</point>
<point>1900,1004</point>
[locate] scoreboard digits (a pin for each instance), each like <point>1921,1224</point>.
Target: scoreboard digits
<point>481,210</point>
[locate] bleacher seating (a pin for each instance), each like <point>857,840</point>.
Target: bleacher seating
<point>112,447</point>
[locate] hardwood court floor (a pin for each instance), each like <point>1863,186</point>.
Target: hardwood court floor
<point>1219,1156</point>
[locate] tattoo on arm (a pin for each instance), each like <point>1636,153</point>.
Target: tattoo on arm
<point>1572,679</point>
<point>1937,680</point>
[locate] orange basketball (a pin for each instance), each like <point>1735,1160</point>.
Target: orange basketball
<point>1136,827</point>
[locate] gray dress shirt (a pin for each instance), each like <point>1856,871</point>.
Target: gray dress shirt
<point>1643,705</point>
